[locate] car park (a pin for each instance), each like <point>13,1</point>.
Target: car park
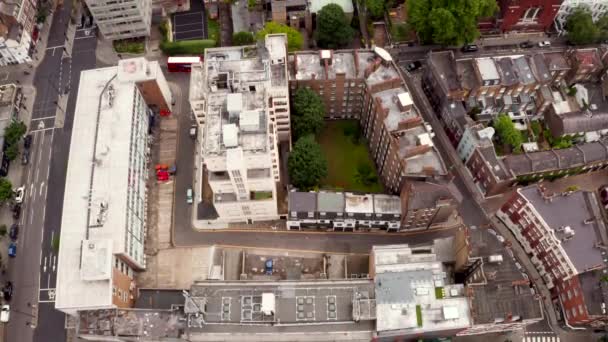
<point>544,43</point>
<point>12,250</point>
<point>20,194</point>
<point>5,313</point>
<point>470,48</point>
<point>413,66</point>
<point>14,231</point>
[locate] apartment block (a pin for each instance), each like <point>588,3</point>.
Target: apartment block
<point>343,211</point>
<point>598,8</point>
<point>122,19</point>
<point>367,86</point>
<point>501,296</point>
<point>566,236</point>
<point>558,65</point>
<point>18,31</point>
<point>239,97</point>
<point>105,205</point>
<point>426,205</point>
<point>586,65</point>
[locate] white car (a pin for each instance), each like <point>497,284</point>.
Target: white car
<point>19,194</point>
<point>5,314</point>
<point>544,43</point>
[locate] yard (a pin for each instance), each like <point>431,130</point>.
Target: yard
<point>349,166</point>
<point>213,30</point>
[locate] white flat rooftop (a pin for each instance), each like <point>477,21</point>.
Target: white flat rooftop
<point>97,184</point>
<point>359,203</point>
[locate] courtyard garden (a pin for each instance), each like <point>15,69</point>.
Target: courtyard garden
<point>348,164</point>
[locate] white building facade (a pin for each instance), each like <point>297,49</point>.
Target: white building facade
<point>598,8</point>
<point>105,204</point>
<point>122,19</point>
<point>235,97</point>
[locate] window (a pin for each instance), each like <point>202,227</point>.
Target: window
<point>580,309</point>
<point>311,214</point>
<point>294,214</point>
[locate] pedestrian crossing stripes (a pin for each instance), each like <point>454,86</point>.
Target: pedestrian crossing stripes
<point>541,339</point>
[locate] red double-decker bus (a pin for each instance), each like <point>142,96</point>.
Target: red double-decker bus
<point>182,64</point>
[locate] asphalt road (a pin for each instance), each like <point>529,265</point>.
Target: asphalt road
<point>34,270</point>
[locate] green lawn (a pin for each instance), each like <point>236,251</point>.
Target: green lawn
<point>213,26</point>
<point>345,157</point>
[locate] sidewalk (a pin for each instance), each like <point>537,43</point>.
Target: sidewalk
<point>106,55</point>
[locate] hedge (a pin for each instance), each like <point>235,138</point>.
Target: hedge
<point>187,47</point>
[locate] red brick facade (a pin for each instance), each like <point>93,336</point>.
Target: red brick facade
<point>527,15</point>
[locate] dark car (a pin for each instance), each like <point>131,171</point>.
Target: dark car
<point>470,48</point>
<point>7,291</point>
<point>25,156</point>
<point>14,232</point>
<point>526,45</point>
<point>17,211</point>
<point>413,66</point>
<point>27,141</point>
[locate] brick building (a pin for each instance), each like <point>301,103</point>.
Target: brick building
<point>527,15</point>
<point>367,86</point>
<point>567,237</point>
<point>426,205</point>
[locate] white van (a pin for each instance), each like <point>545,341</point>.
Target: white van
<point>5,314</point>
<point>189,196</point>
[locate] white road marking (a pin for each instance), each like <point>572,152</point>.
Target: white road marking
<point>52,236</point>
<point>44,209</point>
<point>44,267</point>
<point>54,263</point>
<point>54,47</point>
<point>32,215</point>
<point>42,130</point>
<point>85,37</point>
<point>32,190</point>
<point>40,191</point>
<point>44,118</point>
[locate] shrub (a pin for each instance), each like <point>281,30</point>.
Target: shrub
<point>186,47</point>
<point>129,46</point>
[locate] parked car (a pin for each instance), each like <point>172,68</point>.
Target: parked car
<point>25,156</point>
<point>16,211</point>
<point>544,43</point>
<point>7,291</point>
<point>5,313</point>
<point>20,194</point>
<point>192,132</point>
<point>526,45</point>
<point>14,231</point>
<point>189,196</point>
<point>268,266</point>
<point>27,141</point>
<point>470,48</point>
<point>413,66</point>
<point>12,250</point>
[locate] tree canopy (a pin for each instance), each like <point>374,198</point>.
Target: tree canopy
<point>507,133</point>
<point>306,164</point>
<point>375,8</point>
<point>242,38</point>
<point>333,28</point>
<point>448,22</point>
<point>6,189</point>
<point>308,113</point>
<point>294,37</point>
<point>580,27</point>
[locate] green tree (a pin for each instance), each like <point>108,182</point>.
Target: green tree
<point>333,29</point>
<point>294,37</point>
<point>602,26</point>
<point>375,8</point>
<point>306,164</point>
<point>251,4</point>
<point>12,151</point>
<point>242,38</point>
<point>308,113</point>
<point>365,174</point>
<point>448,22</point>
<point>14,132</point>
<point>580,27</point>
<point>507,133</point>
<point>6,190</point>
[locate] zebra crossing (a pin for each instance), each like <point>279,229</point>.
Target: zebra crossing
<point>540,336</point>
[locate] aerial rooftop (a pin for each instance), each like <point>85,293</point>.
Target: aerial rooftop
<point>572,211</point>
